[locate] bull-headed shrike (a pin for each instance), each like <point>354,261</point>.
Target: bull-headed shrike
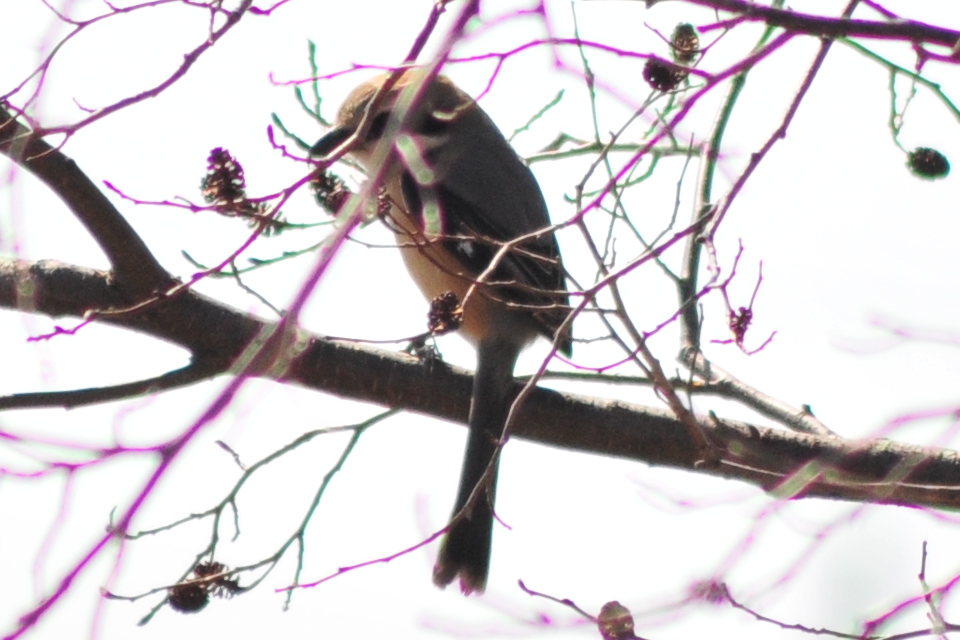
<point>469,218</point>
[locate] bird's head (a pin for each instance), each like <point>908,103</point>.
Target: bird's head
<point>427,113</point>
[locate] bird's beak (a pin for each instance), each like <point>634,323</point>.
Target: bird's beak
<point>333,139</point>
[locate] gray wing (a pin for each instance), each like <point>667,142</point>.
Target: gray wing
<point>496,199</point>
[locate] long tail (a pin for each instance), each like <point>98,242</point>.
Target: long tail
<point>466,548</point>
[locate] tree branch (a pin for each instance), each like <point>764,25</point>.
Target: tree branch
<point>133,264</point>
<point>194,372</point>
<point>908,30</point>
<point>789,464</point>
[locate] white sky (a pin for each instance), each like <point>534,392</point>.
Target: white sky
<point>845,234</point>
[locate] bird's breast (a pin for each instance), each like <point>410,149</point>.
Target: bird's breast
<point>437,271</point>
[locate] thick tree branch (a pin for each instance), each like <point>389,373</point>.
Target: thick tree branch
<point>790,464</point>
<point>133,264</point>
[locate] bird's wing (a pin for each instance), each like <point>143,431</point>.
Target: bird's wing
<point>493,207</point>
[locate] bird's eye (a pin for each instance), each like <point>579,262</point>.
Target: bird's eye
<point>429,126</point>
<point>433,126</point>
<point>378,126</point>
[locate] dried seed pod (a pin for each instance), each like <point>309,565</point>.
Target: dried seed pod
<point>686,43</point>
<point>663,75</point>
<point>189,597</point>
<point>329,190</point>
<point>928,163</point>
<point>446,314</point>
<point>615,622</point>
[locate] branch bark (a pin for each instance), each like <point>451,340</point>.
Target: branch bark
<point>790,464</point>
<point>133,263</point>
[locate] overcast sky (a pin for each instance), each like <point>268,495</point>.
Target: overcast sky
<point>853,247</point>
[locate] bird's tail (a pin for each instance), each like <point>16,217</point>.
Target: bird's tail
<point>465,550</point>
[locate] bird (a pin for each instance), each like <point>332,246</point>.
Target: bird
<point>469,218</point>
